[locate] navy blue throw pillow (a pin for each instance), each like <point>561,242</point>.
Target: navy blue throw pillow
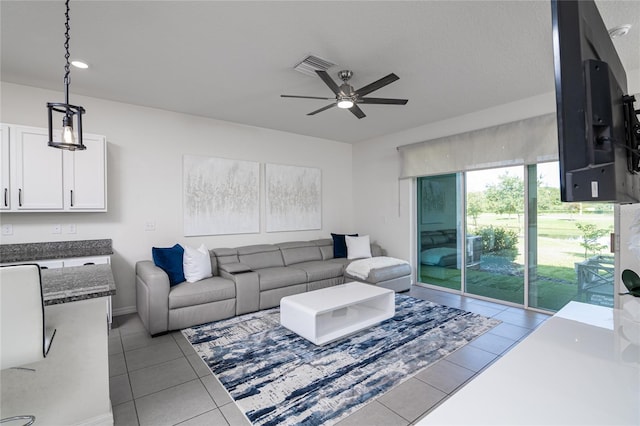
<point>340,245</point>
<point>170,260</point>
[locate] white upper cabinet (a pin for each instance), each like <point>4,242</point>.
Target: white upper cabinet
<point>85,176</point>
<point>38,170</point>
<point>42,178</point>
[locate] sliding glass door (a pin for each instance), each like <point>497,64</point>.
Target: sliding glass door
<point>476,238</point>
<point>495,234</point>
<point>569,256</point>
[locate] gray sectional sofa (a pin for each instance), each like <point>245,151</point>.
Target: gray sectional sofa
<point>248,279</point>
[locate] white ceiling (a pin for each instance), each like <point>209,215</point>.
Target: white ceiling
<point>232,60</point>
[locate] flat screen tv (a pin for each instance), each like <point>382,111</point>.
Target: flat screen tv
<point>598,129</point>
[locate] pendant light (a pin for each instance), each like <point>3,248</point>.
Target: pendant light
<point>70,140</point>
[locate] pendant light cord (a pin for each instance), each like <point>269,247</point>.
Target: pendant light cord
<point>66,56</point>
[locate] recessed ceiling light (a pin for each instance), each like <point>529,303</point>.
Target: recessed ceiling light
<point>619,31</point>
<point>80,64</point>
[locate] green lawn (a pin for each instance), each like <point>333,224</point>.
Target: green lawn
<point>553,283</point>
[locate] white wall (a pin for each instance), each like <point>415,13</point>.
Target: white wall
<point>145,149</point>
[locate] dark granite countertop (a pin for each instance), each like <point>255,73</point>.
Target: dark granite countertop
<point>54,250</point>
<point>75,283</point>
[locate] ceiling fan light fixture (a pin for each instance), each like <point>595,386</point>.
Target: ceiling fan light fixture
<point>345,103</point>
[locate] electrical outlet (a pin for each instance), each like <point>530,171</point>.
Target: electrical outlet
<point>57,229</point>
<point>7,229</point>
<point>71,228</point>
<point>149,226</point>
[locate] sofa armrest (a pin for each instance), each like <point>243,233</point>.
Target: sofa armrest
<point>152,296</point>
<point>234,268</point>
<point>247,285</point>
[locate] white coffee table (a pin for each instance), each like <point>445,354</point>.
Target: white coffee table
<point>325,315</point>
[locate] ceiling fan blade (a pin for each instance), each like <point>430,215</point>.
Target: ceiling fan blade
<point>328,81</point>
<point>322,109</point>
<point>305,97</point>
<point>377,84</point>
<point>384,101</point>
<point>355,109</point>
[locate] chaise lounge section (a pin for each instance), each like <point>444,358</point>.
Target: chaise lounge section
<point>247,279</point>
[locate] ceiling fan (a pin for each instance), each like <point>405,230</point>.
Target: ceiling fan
<point>348,98</point>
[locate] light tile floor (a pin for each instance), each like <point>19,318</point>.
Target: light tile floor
<point>162,381</point>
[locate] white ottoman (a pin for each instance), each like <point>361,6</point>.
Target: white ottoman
<point>325,315</point>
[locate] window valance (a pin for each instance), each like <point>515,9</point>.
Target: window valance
<point>529,141</point>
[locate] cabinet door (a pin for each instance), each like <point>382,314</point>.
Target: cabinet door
<point>38,170</point>
<point>5,178</point>
<point>85,176</point>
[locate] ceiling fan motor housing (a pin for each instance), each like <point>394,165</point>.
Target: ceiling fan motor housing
<point>345,75</point>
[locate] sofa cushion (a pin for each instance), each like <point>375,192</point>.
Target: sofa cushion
<point>342,261</point>
<point>196,263</point>
<point>384,274</point>
<point>260,256</point>
<point>326,247</point>
<point>225,255</point>
<point>358,247</point>
<point>205,291</point>
<point>339,244</point>
<point>169,259</point>
<point>389,273</point>
<point>299,251</point>
<point>319,270</point>
<point>278,277</point>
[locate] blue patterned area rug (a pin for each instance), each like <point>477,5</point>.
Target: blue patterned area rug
<point>278,377</point>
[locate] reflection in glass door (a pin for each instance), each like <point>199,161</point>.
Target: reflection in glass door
<point>439,231</point>
<point>495,234</point>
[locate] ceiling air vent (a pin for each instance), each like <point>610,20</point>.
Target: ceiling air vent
<point>311,64</point>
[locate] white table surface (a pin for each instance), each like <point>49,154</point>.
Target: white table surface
<point>579,368</point>
<point>335,297</point>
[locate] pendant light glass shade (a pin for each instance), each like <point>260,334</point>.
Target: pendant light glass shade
<point>71,135</point>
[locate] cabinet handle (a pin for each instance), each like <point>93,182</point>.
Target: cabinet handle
<point>72,198</point>
<point>20,197</point>
<point>6,201</point>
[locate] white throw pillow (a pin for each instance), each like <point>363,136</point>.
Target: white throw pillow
<point>196,263</point>
<point>358,247</point>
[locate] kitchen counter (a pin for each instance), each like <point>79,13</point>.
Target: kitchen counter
<point>581,367</point>
<point>10,253</point>
<point>75,283</point>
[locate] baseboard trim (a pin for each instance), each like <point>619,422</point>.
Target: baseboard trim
<point>124,311</point>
